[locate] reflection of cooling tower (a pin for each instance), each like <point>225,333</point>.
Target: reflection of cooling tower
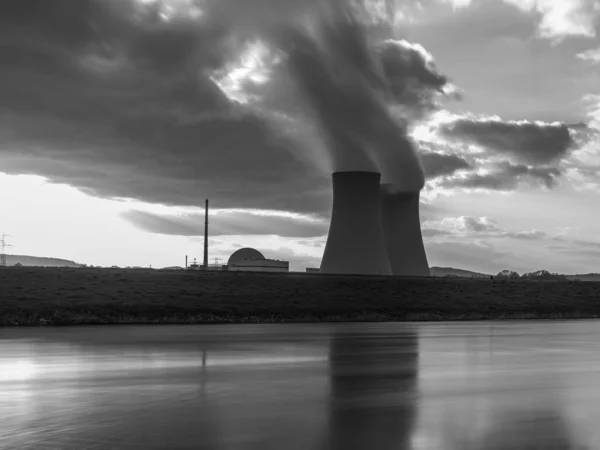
<point>402,231</point>
<point>373,382</point>
<point>355,244</point>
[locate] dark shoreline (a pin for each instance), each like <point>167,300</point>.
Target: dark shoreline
<point>57,296</point>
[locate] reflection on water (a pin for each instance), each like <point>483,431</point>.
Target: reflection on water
<point>372,398</point>
<point>542,427</point>
<point>537,425</point>
<point>512,387</point>
<point>473,386</point>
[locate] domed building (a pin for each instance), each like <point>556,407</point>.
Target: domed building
<point>245,254</point>
<point>251,260</point>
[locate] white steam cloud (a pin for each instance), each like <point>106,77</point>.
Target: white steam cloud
<point>323,73</point>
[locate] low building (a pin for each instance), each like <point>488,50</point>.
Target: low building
<point>251,260</point>
<point>194,265</point>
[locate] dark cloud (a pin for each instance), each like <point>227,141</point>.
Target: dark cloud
<point>411,74</point>
<point>441,164</point>
<point>507,177</point>
<point>128,116</point>
<point>227,223</point>
<point>235,162</point>
<point>338,77</point>
<point>527,142</point>
<point>111,98</point>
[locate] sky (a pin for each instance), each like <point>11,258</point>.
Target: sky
<point>118,118</point>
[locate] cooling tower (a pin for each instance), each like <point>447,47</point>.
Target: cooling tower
<point>402,231</point>
<point>355,244</point>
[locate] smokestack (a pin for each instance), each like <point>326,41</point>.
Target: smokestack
<point>355,244</point>
<point>186,261</point>
<point>402,231</point>
<point>205,265</point>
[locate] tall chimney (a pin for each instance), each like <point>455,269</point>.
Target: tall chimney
<point>402,231</point>
<point>186,261</point>
<point>205,265</point>
<point>355,244</point>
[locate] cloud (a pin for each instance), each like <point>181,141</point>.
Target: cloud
<point>506,177</point>
<point>129,99</point>
<point>116,107</point>
<point>556,19</point>
<point>564,18</point>
<point>592,55</point>
<point>447,238</point>
<point>582,168</point>
<point>476,227</point>
<point>412,76</point>
<point>229,222</point>
<point>464,224</point>
<point>504,155</point>
<point>458,3</point>
<point>593,100</point>
<point>526,142</point>
<point>342,80</point>
<point>441,164</point>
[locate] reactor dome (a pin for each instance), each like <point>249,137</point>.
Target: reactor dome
<point>244,254</point>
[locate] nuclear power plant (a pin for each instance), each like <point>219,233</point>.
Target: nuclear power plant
<point>355,244</point>
<point>402,232</point>
<point>374,230</point>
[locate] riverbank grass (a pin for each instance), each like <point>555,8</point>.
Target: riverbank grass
<point>56,296</point>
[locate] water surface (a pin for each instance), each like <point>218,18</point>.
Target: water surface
<point>496,385</point>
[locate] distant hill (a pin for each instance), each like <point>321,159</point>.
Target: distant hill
<point>452,272</point>
<point>11,260</point>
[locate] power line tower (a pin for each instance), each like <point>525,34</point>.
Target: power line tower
<point>3,246</point>
<point>205,262</point>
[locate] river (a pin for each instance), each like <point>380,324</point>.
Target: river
<point>419,386</point>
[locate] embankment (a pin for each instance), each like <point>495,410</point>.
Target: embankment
<point>52,296</point>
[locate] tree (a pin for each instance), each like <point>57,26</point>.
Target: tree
<point>507,275</point>
<point>544,275</point>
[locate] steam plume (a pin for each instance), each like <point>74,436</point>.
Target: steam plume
<point>332,75</point>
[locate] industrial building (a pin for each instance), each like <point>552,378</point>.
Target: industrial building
<point>375,229</point>
<point>251,260</point>
<point>242,260</point>
<point>355,243</point>
<point>402,232</point>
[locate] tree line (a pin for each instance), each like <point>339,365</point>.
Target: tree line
<point>537,275</point>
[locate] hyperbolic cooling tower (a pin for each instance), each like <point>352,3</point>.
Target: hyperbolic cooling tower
<point>355,244</point>
<point>402,231</point>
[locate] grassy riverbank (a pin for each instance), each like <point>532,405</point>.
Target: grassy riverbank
<point>50,296</point>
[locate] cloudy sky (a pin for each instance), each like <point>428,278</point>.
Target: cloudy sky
<point>119,117</point>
